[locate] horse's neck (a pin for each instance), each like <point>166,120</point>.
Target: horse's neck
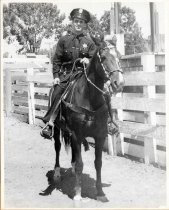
<point>95,88</point>
<point>87,95</point>
<point>93,74</point>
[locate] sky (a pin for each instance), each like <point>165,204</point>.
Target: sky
<point>99,6</point>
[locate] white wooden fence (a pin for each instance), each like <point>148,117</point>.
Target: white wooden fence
<point>140,108</point>
<point>142,114</point>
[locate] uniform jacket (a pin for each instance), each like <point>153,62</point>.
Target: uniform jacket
<point>69,48</point>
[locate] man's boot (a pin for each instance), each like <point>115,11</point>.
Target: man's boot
<point>48,131</point>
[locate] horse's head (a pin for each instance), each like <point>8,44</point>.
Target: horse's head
<point>110,62</point>
<point>111,67</point>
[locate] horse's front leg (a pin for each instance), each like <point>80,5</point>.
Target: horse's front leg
<point>73,161</point>
<point>78,163</point>
<point>99,142</point>
<point>56,176</point>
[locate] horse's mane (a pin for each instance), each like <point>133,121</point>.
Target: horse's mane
<point>93,57</point>
<point>82,74</point>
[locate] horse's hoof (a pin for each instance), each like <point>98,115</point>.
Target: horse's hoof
<point>56,179</point>
<point>77,198</point>
<point>56,176</point>
<point>73,172</point>
<point>102,198</point>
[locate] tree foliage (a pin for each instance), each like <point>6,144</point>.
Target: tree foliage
<point>94,24</point>
<point>31,22</point>
<point>105,22</point>
<point>127,19</point>
<point>134,41</point>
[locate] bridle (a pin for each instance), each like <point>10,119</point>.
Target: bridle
<point>107,72</point>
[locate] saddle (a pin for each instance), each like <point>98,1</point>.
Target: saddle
<point>48,131</point>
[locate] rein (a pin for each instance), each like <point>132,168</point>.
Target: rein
<point>80,109</point>
<point>91,81</point>
<point>103,92</point>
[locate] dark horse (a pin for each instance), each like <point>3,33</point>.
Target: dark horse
<point>85,114</point>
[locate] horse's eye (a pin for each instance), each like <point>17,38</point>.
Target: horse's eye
<point>103,57</point>
<point>106,50</point>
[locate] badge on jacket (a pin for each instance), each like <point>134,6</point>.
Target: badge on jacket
<point>84,46</point>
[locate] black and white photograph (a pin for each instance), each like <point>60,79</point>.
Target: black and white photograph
<point>83,104</point>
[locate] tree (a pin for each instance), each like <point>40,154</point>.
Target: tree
<point>94,24</point>
<point>133,38</point>
<point>134,41</point>
<point>105,22</point>
<point>127,19</point>
<point>31,22</point>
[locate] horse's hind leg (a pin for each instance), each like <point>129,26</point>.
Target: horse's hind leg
<point>57,150</point>
<point>98,165</point>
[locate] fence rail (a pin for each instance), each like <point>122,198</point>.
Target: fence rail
<point>140,114</point>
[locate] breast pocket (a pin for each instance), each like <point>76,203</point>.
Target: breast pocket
<point>67,54</point>
<point>84,50</point>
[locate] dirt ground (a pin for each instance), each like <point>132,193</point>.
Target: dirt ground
<point>29,161</point>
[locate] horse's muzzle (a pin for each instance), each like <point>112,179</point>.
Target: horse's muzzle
<point>117,88</point>
<point>117,82</point>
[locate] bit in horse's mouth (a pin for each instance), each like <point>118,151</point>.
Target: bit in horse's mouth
<point>116,87</point>
<point>115,84</point>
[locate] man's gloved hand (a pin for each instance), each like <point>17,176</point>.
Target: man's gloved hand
<point>85,61</point>
<point>56,81</point>
<point>107,85</point>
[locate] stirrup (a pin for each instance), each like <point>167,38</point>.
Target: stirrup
<point>46,134</point>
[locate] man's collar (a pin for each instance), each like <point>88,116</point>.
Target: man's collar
<point>77,34</point>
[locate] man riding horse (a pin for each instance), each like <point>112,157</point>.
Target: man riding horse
<point>72,46</point>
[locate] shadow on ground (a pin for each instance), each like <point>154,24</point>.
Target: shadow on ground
<point>67,183</point>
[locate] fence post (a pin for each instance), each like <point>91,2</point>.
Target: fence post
<point>150,153</point>
<point>31,102</point>
<point>118,142</point>
<point>8,86</point>
<point>111,149</point>
<point>120,117</point>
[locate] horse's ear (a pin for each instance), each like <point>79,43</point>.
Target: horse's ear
<point>96,41</point>
<point>97,38</point>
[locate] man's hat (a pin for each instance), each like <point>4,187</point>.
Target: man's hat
<point>80,13</point>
